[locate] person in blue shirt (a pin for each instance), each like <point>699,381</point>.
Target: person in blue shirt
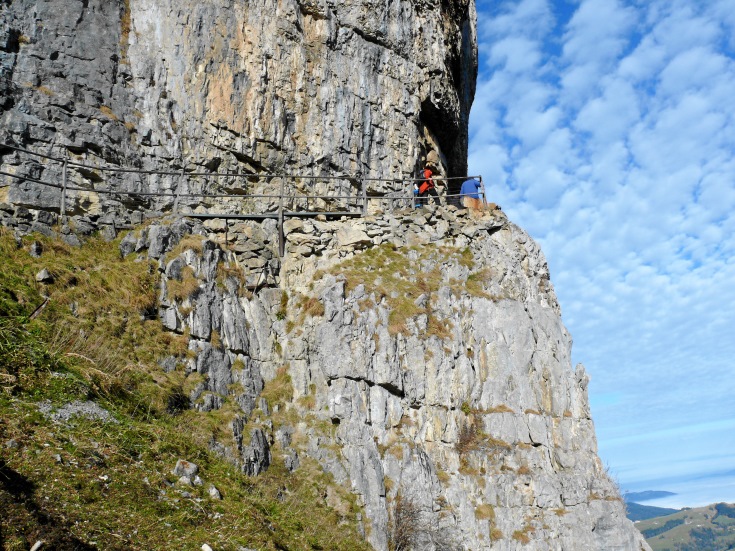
<point>470,194</point>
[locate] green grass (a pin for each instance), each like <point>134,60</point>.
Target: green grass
<point>114,487</point>
<point>698,529</point>
<point>90,484</point>
<point>399,276</point>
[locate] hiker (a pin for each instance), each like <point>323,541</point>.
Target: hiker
<point>427,187</point>
<point>469,193</point>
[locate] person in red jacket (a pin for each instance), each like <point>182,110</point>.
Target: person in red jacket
<point>427,187</point>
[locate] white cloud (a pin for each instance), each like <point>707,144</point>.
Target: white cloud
<point>617,152</point>
<point>515,55</point>
<point>527,18</point>
<point>609,116</point>
<point>679,28</point>
<point>694,69</point>
<point>598,32</point>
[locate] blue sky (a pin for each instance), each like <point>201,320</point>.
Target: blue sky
<point>606,129</point>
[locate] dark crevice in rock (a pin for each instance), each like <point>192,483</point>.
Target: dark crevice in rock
<point>80,58</point>
<point>115,64</point>
<point>85,5</point>
<point>441,123</point>
<point>12,42</point>
<point>394,390</point>
<point>89,175</point>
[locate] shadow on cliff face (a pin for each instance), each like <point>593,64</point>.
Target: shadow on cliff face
<point>22,516</point>
<point>446,109</point>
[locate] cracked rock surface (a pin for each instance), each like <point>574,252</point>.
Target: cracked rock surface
<point>426,359</point>
<point>316,87</point>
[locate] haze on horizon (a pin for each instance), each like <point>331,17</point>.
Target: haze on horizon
<point>606,129</point>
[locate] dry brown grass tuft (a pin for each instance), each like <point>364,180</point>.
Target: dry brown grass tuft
<point>188,243</point>
<point>468,438</point>
<point>179,290</point>
<point>502,408</point>
<point>107,111</point>
<point>485,512</point>
<point>522,535</point>
<point>280,389</point>
<point>308,307</point>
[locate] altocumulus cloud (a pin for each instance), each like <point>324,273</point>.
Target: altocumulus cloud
<point>607,130</point>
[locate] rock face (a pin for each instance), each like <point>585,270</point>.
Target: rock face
<point>418,356</point>
<point>315,87</point>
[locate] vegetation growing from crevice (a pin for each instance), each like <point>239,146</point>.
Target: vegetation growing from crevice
<point>187,243</point>
<point>471,438</point>
<point>303,308</point>
<point>311,307</point>
<point>408,279</point>
<point>410,526</point>
<point>183,288</point>
<point>485,512</point>
<point>89,483</point>
<point>524,534</point>
<point>126,24</point>
<point>282,307</point>
<point>279,390</point>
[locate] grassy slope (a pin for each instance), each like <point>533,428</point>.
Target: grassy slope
<point>91,484</point>
<point>703,529</point>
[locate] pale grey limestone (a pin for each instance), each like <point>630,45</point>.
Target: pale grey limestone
<point>87,409</point>
<point>400,404</point>
<point>348,88</point>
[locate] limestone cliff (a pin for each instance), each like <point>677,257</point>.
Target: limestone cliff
<point>418,355</point>
<point>316,87</point>
<point>425,366</point>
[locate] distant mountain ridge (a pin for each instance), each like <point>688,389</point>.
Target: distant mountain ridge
<point>647,495</point>
<point>637,512</point>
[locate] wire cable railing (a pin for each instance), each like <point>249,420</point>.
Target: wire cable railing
<point>354,205</point>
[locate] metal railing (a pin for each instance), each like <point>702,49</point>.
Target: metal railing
<point>359,200</point>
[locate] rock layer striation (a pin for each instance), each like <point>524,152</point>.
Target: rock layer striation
<point>418,355</point>
<point>420,358</point>
<point>318,87</point>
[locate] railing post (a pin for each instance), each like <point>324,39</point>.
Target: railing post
<point>178,192</point>
<point>484,192</point>
<point>281,236</point>
<point>411,203</point>
<point>62,206</point>
<point>363,185</point>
